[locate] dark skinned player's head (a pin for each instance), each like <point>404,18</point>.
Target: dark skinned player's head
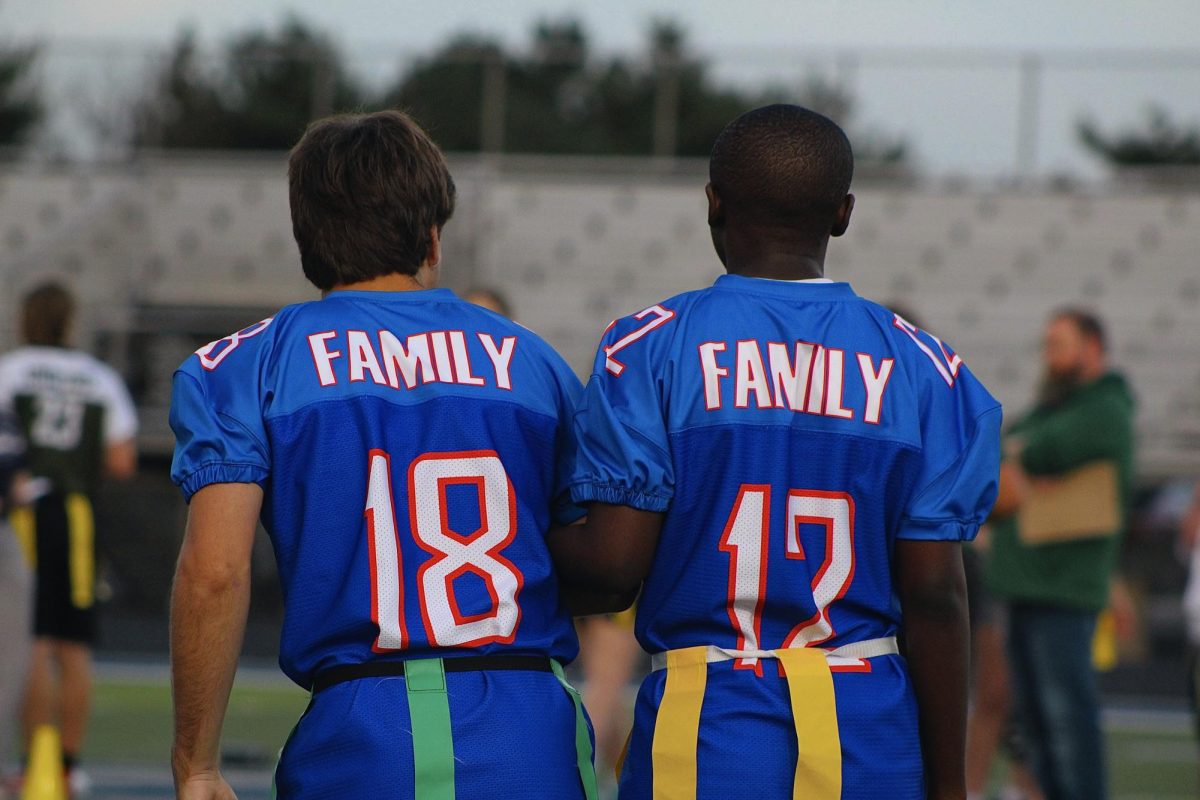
<point>780,175</point>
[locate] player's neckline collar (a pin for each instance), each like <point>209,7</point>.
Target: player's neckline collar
<point>823,291</point>
<point>415,295</point>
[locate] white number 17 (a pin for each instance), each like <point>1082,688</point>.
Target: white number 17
<point>746,538</point>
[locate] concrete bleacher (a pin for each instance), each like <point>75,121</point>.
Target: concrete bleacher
<point>168,251</point>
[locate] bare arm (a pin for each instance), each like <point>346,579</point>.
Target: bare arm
<point>1013,483</point>
<point>209,601</point>
<point>609,554</point>
<point>582,602</point>
<point>120,460</point>
<point>933,599</point>
<point>18,492</point>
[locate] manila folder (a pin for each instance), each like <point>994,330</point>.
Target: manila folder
<point>1082,504</point>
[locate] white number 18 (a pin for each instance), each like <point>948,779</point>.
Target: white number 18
<point>452,553</point>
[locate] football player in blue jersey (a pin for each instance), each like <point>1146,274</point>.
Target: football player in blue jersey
<point>407,452</point>
<point>787,471</point>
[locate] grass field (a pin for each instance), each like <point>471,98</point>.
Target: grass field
<point>1151,755</point>
<point>1152,765</point>
<point>131,721</point>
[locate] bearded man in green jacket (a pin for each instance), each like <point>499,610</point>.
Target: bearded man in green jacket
<point>1056,586</point>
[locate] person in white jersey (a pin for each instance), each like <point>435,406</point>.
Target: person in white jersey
<point>79,423</point>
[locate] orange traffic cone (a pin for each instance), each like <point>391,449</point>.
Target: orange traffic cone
<point>44,778</point>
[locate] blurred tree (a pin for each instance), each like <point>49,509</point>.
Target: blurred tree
<point>20,104</point>
<point>704,109</point>
<point>549,93</point>
<point>1161,141</point>
<point>260,94</point>
<point>445,92</point>
<point>471,94</point>
<point>558,99</point>
<point>184,107</point>
<point>279,82</point>
<point>828,97</point>
<point>534,103</point>
<point>664,102</point>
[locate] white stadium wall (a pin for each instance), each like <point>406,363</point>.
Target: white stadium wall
<point>167,250</point>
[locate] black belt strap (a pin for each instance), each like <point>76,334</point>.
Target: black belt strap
<point>395,669</point>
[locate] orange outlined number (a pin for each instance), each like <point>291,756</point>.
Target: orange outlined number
<point>452,553</point>
<point>656,315</point>
<point>746,538</point>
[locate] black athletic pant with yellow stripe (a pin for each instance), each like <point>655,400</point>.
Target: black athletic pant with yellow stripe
<point>58,536</point>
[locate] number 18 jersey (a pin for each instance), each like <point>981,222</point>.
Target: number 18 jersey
<point>413,451</point>
<point>792,432</point>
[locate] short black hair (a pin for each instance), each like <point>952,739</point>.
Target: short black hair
<point>1087,322</point>
<point>365,190</point>
<point>782,165</point>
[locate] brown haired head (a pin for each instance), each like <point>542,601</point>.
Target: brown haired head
<point>366,191</point>
<point>46,315</point>
<point>1089,324</point>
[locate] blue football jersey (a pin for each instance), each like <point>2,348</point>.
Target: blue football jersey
<point>413,450</point>
<point>791,432</point>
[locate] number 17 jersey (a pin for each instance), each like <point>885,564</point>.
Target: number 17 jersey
<point>413,451</point>
<point>791,432</point>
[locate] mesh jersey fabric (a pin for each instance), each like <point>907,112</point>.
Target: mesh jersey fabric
<point>335,408</point>
<point>791,433</point>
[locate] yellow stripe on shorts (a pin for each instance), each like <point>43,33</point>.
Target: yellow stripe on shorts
<point>814,713</point>
<point>620,765</point>
<point>81,535</point>
<point>677,727</point>
<point>24,525</point>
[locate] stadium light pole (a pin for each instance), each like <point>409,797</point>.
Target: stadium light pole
<point>1028,108</point>
<point>323,82</point>
<point>492,114</point>
<point>666,105</point>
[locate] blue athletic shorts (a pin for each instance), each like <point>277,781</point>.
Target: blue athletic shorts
<point>747,740</point>
<point>514,739</point>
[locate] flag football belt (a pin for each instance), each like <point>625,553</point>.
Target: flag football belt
<point>429,711</point>
<point>814,713</point>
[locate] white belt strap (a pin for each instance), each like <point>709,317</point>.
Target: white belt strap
<point>838,656</point>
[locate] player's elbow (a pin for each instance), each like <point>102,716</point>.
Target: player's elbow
<point>583,603</point>
<point>622,586</point>
<point>930,581</point>
<point>608,580</point>
<point>210,578</point>
<point>936,597</point>
<point>120,460</point>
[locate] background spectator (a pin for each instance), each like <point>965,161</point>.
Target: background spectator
<point>1056,587</point>
<point>79,422</point>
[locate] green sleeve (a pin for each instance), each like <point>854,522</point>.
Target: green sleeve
<point>1101,429</point>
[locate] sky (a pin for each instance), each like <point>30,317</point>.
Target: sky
<point>959,114</point>
<point>1073,24</point>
